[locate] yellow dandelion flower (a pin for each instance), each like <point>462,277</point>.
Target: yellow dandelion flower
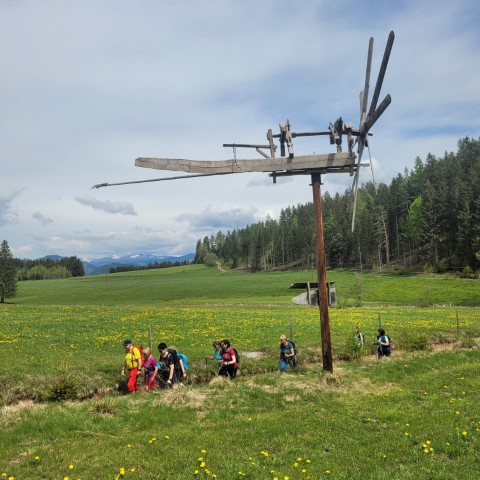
<point>132,470</point>
<point>195,472</point>
<point>202,464</point>
<point>37,458</point>
<point>203,451</point>
<point>428,442</point>
<point>71,467</point>
<point>167,437</point>
<point>299,459</point>
<point>122,471</point>
<point>425,450</point>
<point>308,461</point>
<point>464,433</point>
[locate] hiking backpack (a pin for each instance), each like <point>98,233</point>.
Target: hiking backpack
<point>184,359</point>
<point>237,356</point>
<point>140,349</point>
<point>294,346</point>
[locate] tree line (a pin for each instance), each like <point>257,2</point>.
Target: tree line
<point>427,218</point>
<point>150,266</point>
<point>48,268</point>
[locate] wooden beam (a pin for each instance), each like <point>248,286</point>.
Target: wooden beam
<point>330,160</point>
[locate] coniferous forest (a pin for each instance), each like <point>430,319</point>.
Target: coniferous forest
<point>426,219</point>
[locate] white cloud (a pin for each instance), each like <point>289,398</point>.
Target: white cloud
<point>89,86</point>
<point>43,219</point>
<point>124,208</point>
<point>8,211</point>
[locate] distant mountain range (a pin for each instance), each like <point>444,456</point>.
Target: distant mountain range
<point>97,266</point>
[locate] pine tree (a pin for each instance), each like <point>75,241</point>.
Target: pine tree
<point>8,274</point>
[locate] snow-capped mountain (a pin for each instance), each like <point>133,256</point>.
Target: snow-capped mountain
<point>96,266</point>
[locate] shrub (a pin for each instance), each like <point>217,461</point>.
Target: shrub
<point>425,300</point>
<point>210,260</point>
<point>65,386</point>
<point>467,272</point>
<point>105,407</point>
<point>414,342</point>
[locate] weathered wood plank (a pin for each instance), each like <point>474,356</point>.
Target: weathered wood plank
<point>330,160</point>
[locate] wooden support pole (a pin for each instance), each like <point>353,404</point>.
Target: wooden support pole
<point>150,338</point>
<point>322,276</point>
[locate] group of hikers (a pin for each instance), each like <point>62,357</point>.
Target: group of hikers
<point>171,366</point>
<point>383,342</point>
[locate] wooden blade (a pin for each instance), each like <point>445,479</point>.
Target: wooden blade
<point>342,159</point>
<point>355,188</point>
<point>364,93</point>
<point>371,120</point>
<point>381,74</point>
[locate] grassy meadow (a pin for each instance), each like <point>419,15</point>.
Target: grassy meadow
<point>414,415</point>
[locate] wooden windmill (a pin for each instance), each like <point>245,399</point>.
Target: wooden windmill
<point>288,164</point>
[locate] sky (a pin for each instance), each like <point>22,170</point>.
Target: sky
<point>86,87</point>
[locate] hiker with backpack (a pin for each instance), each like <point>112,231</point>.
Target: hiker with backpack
<point>132,363</point>
<point>358,339</point>
<point>181,366</point>
<point>151,369</point>
<point>230,360</point>
<point>217,354</point>
<point>287,353</point>
<point>168,362</point>
<point>383,342</point>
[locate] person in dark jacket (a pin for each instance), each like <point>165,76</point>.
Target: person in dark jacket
<point>383,342</point>
<point>229,360</point>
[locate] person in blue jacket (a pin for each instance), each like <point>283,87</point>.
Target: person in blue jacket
<point>287,354</point>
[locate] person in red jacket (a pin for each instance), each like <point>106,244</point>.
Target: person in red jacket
<point>229,361</point>
<point>132,363</point>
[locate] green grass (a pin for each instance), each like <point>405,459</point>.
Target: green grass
<point>197,285</point>
<point>369,419</point>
